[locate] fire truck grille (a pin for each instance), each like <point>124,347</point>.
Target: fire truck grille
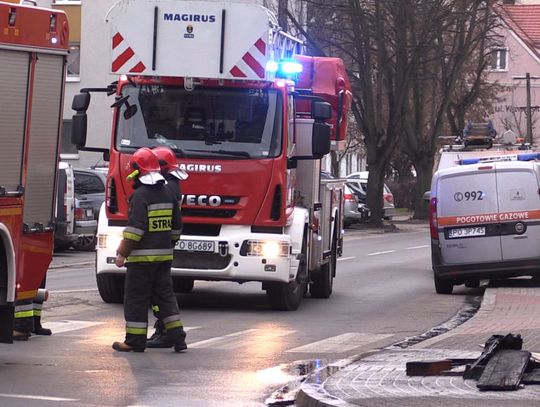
<point>200,261</point>
<point>208,213</point>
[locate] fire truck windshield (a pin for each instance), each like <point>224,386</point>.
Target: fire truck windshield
<point>237,123</point>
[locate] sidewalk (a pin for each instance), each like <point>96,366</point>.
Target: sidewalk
<point>372,378</point>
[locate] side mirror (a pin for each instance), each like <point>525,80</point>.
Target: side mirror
<point>427,196</point>
<point>79,126</point>
<point>321,111</point>
<point>321,140</point>
<point>81,102</point>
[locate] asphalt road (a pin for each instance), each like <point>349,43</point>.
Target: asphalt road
<point>240,352</point>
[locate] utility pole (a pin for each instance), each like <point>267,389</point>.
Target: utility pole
<point>528,111</point>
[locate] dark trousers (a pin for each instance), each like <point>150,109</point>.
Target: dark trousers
<point>28,314</point>
<point>147,283</point>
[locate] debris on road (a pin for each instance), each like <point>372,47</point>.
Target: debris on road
<point>502,366</point>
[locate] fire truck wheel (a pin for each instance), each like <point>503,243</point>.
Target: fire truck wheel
<point>288,296</point>
<point>443,286</point>
<point>111,288</point>
<point>182,285</point>
<point>285,296</point>
<point>322,283</point>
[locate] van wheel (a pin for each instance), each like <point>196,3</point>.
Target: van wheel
<point>443,286</point>
<point>111,288</point>
<point>183,285</point>
<point>85,243</point>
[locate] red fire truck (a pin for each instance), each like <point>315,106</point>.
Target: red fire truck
<point>249,118</point>
<point>33,49</point>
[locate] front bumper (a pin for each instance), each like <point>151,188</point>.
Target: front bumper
<point>226,262</point>
<point>482,271</point>
<point>86,227</point>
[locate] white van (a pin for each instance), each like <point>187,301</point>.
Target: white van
<point>64,233</point>
<point>485,221</point>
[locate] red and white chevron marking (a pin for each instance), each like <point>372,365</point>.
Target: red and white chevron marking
<point>124,58</point>
<point>253,62</point>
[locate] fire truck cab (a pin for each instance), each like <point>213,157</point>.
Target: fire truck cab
<point>249,119</point>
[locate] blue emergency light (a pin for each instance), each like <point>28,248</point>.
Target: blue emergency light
<point>528,157</point>
<point>285,68</point>
<point>517,157</point>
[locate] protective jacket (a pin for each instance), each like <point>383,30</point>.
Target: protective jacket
<point>153,225</point>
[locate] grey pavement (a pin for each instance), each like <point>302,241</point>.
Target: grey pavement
<point>72,258</point>
<point>379,379</point>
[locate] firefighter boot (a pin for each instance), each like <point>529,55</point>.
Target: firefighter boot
<point>20,336</point>
<point>38,329</point>
<point>180,341</point>
<point>124,347</point>
<point>158,338</point>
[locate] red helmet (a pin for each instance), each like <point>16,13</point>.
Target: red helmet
<point>144,164</point>
<point>168,162</point>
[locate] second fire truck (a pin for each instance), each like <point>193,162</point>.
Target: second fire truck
<point>33,50</point>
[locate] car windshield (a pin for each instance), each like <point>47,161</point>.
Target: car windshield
<point>205,122</point>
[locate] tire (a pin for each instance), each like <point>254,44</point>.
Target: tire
<point>183,285</point>
<point>323,282</point>
<point>443,286</point>
<point>111,288</point>
<point>288,296</point>
<point>85,243</point>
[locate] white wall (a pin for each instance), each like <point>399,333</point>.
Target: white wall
<point>95,60</point>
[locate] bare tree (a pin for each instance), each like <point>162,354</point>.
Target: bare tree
<point>413,65</point>
<point>446,83</point>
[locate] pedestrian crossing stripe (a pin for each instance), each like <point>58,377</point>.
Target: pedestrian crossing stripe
<point>341,343</point>
<point>252,337</point>
<point>67,326</point>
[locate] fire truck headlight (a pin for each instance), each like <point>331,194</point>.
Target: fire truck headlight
<point>109,241</point>
<point>265,248</point>
<point>270,249</point>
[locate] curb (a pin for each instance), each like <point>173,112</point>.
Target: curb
<point>312,392</point>
<point>66,265</point>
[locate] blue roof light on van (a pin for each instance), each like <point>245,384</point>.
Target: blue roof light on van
<point>512,157</point>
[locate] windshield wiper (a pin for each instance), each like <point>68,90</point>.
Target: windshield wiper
<point>223,152</point>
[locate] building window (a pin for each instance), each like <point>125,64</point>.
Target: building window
<point>74,59</point>
<point>499,58</point>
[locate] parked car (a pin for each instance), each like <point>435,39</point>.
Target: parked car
<point>360,179</point>
<point>90,192</point>
<point>354,211</point>
<point>64,229</point>
<point>85,226</point>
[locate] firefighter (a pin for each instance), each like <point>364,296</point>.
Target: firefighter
<point>27,319</point>
<point>147,251</point>
<point>172,174</point>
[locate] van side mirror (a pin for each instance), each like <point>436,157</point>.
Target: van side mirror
<point>79,125</point>
<point>427,196</point>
